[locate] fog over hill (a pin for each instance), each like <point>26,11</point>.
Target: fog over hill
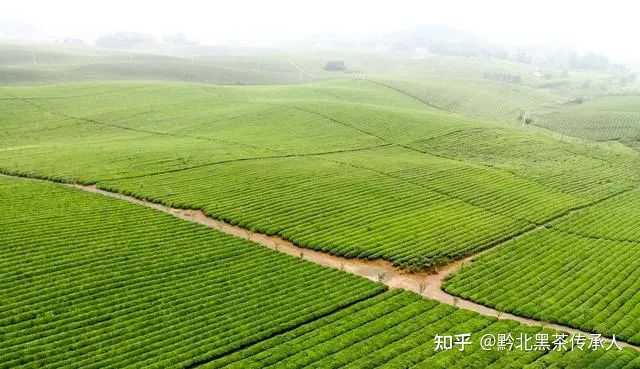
<point>495,24</point>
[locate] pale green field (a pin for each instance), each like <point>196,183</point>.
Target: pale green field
<point>606,118</point>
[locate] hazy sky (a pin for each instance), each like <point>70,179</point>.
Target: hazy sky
<point>608,26</point>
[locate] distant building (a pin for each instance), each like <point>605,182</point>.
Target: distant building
<point>335,66</point>
<point>73,42</point>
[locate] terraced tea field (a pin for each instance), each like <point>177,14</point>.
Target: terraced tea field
<point>402,176</point>
<point>29,64</point>
<point>95,282</point>
<point>303,161</point>
<point>395,330</point>
<point>490,101</point>
<point>601,119</point>
<point>170,294</point>
<point>582,271</point>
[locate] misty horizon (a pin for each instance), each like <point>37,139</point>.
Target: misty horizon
<point>571,25</point>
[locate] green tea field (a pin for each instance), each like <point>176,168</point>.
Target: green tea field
<point>433,207</point>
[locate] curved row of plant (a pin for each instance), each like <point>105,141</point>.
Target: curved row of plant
<point>398,329</point>
<point>91,282</point>
<point>590,284</point>
<point>333,208</point>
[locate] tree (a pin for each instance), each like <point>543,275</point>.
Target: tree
<point>126,40</point>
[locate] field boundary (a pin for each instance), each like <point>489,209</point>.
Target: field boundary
<point>133,129</point>
<point>427,284</point>
<point>405,93</point>
<point>253,158</point>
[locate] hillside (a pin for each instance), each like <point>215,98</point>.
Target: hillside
<point>510,193</point>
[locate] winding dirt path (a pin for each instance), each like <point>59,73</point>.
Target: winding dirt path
<point>426,284</point>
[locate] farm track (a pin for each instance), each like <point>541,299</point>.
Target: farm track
<point>425,284</point>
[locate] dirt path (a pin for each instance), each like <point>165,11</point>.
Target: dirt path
<point>425,284</point>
